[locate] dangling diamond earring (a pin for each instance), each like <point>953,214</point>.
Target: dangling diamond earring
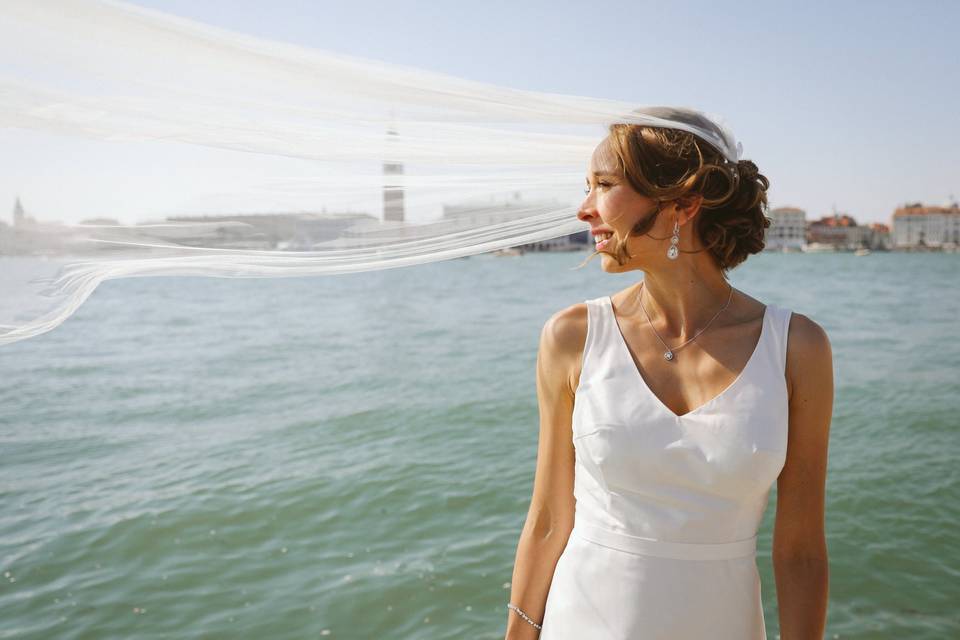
<point>674,251</point>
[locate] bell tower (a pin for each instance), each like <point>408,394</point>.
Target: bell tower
<point>19,217</point>
<point>392,191</point>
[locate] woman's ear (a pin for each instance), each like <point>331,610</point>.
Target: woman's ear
<point>687,207</point>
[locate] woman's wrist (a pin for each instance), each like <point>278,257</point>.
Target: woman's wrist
<point>523,615</point>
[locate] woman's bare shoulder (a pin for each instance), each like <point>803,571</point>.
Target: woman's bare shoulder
<point>566,329</point>
<point>805,336</point>
<point>562,340</point>
<point>809,353</point>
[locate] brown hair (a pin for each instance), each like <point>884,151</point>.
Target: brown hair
<point>670,164</point>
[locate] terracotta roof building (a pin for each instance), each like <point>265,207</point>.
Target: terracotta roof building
<point>839,230</point>
<point>916,225</point>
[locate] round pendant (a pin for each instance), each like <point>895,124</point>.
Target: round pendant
<point>673,252</point>
<point>668,355</point>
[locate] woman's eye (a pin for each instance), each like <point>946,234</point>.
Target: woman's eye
<point>605,185</point>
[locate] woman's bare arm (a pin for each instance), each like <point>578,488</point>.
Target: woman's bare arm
<point>550,516</point>
<point>800,559</point>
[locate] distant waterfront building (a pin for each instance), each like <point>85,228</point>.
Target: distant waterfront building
<point>879,237</point>
<point>838,230</point>
<point>473,214</point>
<point>572,242</point>
<point>916,225</point>
<point>282,231</point>
<point>28,237</point>
<point>787,231</point>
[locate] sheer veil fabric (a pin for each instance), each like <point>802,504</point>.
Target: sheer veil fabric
<point>325,164</point>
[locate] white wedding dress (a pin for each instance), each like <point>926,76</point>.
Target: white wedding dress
<point>668,507</point>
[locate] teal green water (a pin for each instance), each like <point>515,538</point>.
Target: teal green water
<point>352,456</point>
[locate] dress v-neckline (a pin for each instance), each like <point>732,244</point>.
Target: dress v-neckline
<point>636,370</point>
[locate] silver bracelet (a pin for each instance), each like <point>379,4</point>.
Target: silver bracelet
<point>523,615</point>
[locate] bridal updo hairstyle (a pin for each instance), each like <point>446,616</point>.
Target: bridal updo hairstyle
<point>667,164</point>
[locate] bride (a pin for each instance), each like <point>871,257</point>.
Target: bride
<point>667,411</point>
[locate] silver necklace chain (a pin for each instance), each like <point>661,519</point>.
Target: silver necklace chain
<point>668,355</point>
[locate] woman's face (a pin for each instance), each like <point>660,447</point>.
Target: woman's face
<point>612,206</point>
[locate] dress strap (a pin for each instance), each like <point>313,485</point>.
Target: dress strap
<point>598,333</point>
<point>594,323</point>
<point>780,323</point>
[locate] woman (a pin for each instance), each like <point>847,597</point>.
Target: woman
<point>667,410</point>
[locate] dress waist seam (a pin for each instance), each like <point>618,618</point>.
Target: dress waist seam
<point>664,549</point>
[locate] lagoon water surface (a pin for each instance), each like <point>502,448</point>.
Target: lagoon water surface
<point>352,456</point>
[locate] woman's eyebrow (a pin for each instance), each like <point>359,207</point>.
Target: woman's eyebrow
<point>603,174</point>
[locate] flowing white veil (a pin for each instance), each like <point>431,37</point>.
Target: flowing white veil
<point>330,164</point>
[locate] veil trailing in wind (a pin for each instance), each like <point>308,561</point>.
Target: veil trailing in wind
<point>137,143</point>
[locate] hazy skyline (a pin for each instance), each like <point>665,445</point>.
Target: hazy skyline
<point>846,105</point>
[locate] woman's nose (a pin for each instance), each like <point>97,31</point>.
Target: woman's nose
<point>586,210</point>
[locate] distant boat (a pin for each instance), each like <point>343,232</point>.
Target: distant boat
<point>862,252</point>
<point>818,247</point>
<point>509,251</point>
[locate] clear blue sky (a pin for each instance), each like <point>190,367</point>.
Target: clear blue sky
<point>846,104</point>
